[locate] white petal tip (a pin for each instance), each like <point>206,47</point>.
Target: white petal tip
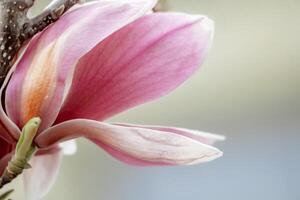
<point>208,24</point>
<point>207,158</point>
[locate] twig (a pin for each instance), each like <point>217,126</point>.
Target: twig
<point>6,194</point>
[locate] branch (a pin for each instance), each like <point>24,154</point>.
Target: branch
<point>16,28</point>
<point>6,194</point>
<point>51,14</point>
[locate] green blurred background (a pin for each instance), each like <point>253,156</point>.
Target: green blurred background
<point>247,90</point>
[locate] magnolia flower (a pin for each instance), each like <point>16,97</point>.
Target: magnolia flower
<point>100,59</point>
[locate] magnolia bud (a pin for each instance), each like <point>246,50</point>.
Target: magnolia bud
<point>24,150</point>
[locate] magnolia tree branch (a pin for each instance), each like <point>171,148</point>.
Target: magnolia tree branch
<point>16,27</point>
<point>6,194</point>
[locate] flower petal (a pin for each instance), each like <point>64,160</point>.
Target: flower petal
<point>9,130</point>
<point>203,137</point>
<point>40,178</point>
<point>5,133</point>
<point>4,162</point>
<point>41,78</point>
<point>5,147</point>
<point>140,62</point>
<point>133,145</point>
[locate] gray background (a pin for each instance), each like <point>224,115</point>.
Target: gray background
<point>248,90</point>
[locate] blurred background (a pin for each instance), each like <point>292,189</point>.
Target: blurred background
<point>247,90</point>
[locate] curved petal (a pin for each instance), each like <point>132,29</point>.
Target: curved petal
<point>5,134</point>
<point>9,130</point>
<point>39,179</point>
<point>140,62</point>
<point>203,137</point>
<point>133,145</point>
<point>4,162</point>
<point>41,78</point>
<point>5,148</point>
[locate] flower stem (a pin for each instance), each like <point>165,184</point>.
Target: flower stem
<point>24,151</point>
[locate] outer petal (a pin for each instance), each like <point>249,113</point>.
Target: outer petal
<point>138,146</point>
<point>4,162</point>
<point>5,133</point>
<point>40,178</point>
<point>143,61</point>
<point>4,147</point>
<point>206,138</point>
<point>8,129</point>
<point>39,82</point>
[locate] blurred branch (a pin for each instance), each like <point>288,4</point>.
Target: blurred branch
<point>49,15</point>
<point>6,194</point>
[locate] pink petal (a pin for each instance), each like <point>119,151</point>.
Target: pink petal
<point>206,138</point>
<point>5,133</point>
<point>137,146</point>
<point>5,154</point>
<point>139,63</point>
<point>41,78</point>
<point>40,178</point>
<point>8,129</point>
<point>4,162</point>
<point>5,148</point>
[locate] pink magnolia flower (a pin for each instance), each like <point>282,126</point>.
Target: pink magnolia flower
<point>100,59</point>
